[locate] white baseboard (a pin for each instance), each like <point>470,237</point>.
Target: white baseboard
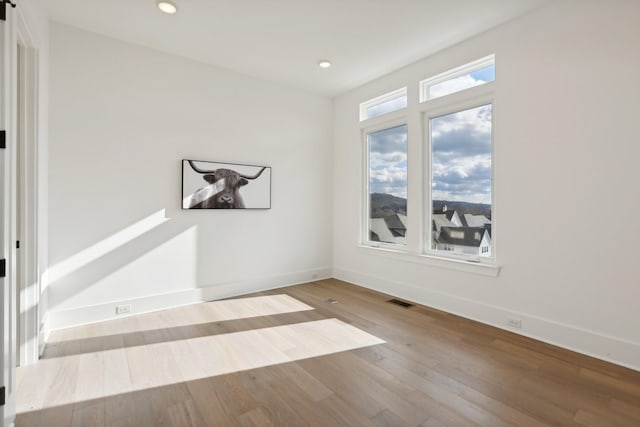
<point>605,347</point>
<point>598,345</point>
<point>97,313</point>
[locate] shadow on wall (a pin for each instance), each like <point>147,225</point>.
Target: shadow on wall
<point>138,260</point>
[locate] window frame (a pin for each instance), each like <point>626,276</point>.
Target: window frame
<point>474,97</point>
<point>364,229</point>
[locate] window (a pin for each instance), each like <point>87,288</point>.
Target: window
<point>461,181</point>
<point>384,104</point>
<point>387,183</point>
<point>467,76</point>
<point>453,188</point>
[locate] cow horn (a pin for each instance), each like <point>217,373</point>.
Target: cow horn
<point>197,169</point>
<point>254,176</point>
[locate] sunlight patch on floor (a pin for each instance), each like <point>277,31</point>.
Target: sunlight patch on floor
<point>189,315</point>
<point>71,379</point>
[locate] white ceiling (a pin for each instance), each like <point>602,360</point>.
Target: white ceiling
<point>282,40</point>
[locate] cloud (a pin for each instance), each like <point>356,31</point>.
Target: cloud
<point>388,161</point>
<point>466,169</point>
<point>387,107</point>
<point>461,156</point>
<point>389,178</point>
<point>453,85</point>
<point>475,120</point>
<point>466,81</point>
<point>378,160</point>
<point>388,140</point>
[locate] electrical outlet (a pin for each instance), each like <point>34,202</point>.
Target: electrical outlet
<point>123,309</point>
<point>514,323</point>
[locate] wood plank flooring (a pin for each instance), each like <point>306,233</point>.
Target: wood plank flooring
<point>292,358</point>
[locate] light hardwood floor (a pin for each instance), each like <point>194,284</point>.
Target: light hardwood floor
<point>290,357</point>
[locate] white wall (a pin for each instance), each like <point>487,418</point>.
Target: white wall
<point>566,163</point>
<point>122,118</point>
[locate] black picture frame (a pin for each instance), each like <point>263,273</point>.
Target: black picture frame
<point>212,185</point>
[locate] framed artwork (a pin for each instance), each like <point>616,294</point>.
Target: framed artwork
<point>217,185</point>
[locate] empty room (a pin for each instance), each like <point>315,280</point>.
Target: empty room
<point>319,213</point>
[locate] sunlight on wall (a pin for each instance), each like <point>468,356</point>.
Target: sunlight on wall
<point>79,260</point>
<point>203,193</point>
<point>157,264</point>
<point>104,373</point>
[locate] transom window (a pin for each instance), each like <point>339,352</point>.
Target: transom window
<point>473,74</point>
<point>384,104</point>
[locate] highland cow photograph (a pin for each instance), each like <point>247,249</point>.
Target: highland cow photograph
<point>215,185</point>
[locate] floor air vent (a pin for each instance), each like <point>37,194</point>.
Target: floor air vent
<point>400,303</point>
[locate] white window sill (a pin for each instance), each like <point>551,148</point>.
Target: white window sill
<point>481,268</point>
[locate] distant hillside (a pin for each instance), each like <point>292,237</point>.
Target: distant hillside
<point>464,207</point>
<point>386,205</point>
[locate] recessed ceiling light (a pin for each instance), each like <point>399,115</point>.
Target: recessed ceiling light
<point>324,63</point>
<point>167,7</point>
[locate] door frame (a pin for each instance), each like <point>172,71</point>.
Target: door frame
<point>8,315</point>
<point>27,195</point>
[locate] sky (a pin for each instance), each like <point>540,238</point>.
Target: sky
<point>388,161</point>
<point>461,143</point>
<point>386,107</point>
<point>465,81</point>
